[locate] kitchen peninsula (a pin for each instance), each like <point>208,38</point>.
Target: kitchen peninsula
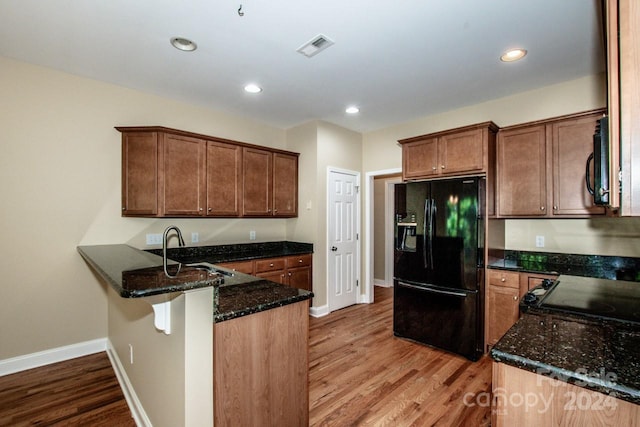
<point>208,321</point>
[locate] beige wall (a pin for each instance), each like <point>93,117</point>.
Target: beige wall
<point>323,145</point>
<point>60,175</point>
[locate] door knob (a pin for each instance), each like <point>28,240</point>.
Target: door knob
<point>333,248</point>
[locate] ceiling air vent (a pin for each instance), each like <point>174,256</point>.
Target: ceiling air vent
<point>315,45</point>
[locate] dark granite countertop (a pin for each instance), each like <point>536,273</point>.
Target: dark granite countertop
<point>239,252</point>
<point>134,273</point>
<point>601,355</point>
<point>600,266</point>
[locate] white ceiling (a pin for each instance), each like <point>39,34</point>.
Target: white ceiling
<point>397,60</point>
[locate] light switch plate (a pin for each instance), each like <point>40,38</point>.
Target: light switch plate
<point>195,237</point>
<point>539,241</point>
<point>154,239</point>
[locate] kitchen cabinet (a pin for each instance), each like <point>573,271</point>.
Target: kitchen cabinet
<point>504,291</point>
<point>541,168</point>
<point>270,183</point>
<point>293,270</point>
<point>557,402</point>
<point>502,304</point>
<point>140,173</point>
<point>462,151</point>
<point>173,173</point>
<point>261,364</point>
<point>285,185</point>
<point>183,178</point>
<point>224,179</point>
<point>623,74</point>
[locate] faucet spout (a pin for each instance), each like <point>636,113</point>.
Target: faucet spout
<point>164,248</point>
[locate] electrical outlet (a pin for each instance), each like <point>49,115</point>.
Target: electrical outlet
<point>539,241</point>
<point>195,237</point>
<point>154,239</point>
<point>252,235</point>
<point>131,354</point>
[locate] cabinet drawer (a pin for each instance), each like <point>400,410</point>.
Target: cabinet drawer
<point>504,278</point>
<point>269,264</point>
<point>245,267</point>
<point>299,261</point>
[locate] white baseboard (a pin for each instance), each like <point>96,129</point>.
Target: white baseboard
<point>137,411</point>
<point>323,310</point>
<point>382,283</point>
<point>54,355</point>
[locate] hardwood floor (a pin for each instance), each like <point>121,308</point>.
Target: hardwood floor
<point>76,392</point>
<point>360,375</point>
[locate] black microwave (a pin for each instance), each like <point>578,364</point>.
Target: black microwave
<point>600,157</point>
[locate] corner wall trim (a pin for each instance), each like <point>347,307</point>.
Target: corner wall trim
<point>321,311</point>
<point>54,355</point>
<point>137,411</point>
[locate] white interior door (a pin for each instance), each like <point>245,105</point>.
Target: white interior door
<point>343,247</point>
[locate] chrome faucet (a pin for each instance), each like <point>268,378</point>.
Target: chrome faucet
<point>164,249</point>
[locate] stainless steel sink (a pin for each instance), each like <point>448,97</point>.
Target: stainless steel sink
<point>209,267</point>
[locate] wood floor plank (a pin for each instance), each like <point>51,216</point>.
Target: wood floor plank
<point>361,375</point>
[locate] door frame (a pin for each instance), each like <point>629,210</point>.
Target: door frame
<point>367,297</point>
<point>356,174</point>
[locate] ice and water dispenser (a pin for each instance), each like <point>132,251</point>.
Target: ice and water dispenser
<point>406,232</point>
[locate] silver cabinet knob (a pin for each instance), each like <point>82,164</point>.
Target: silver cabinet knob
<point>434,168</point>
<point>515,298</point>
<point>503,280</point>
<point>442,166</point>
<point>541,208</point>
<point>209,209</point>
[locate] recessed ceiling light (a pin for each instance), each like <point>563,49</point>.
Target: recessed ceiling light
<point>513,55</point>
<point>252,88</point>
<point>352,110</point>
<point>183,44</point>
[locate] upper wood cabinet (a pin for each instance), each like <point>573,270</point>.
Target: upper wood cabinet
<point>172,173</point>
<point>623,66</point>
<point>270,183</point>
<point>461,151</point>
<point>542,167</point>
<point>285,185</point>
<point>183,177</point>
<point>224,179</point>
<point>140,173</point>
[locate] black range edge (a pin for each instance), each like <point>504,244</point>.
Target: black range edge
<point>597,354</point>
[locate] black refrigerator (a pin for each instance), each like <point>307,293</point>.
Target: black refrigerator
<point>439,266</point>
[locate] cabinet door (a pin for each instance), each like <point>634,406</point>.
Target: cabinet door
<point>274,276</point>
<point>420,159</point>
<point>502,303</point>
<point>299,278</point>
<point>461,152</point>
<point>224,179</point>
<point>522,188</point>
<point>572,142</point>
<point>140,173</point>
<point>256,182</point>
<point>184,176</point>
<point>285,185</point>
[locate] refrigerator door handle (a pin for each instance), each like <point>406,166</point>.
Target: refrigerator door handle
<point>432,229</point>
<point>426,224</point>
<point>433,290</point>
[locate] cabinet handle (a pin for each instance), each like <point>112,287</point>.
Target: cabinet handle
<point>275,211</point>
<point>434,168</point>
<point>299,260</point>
<point>200,209</point>
<point>515,298</point>
<point>271,265</point>
<point>442,166</point>
<point>124,208</point>
<point>541,208</point>
<point>209,209</point>
<point>289,274</point>
<point>555,208</point>
<point>503,280</point>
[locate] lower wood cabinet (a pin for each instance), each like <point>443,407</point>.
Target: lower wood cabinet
<point>503,293</point>
<point>293,270</point>
<point>556,403</point>
<point>261,368</point>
